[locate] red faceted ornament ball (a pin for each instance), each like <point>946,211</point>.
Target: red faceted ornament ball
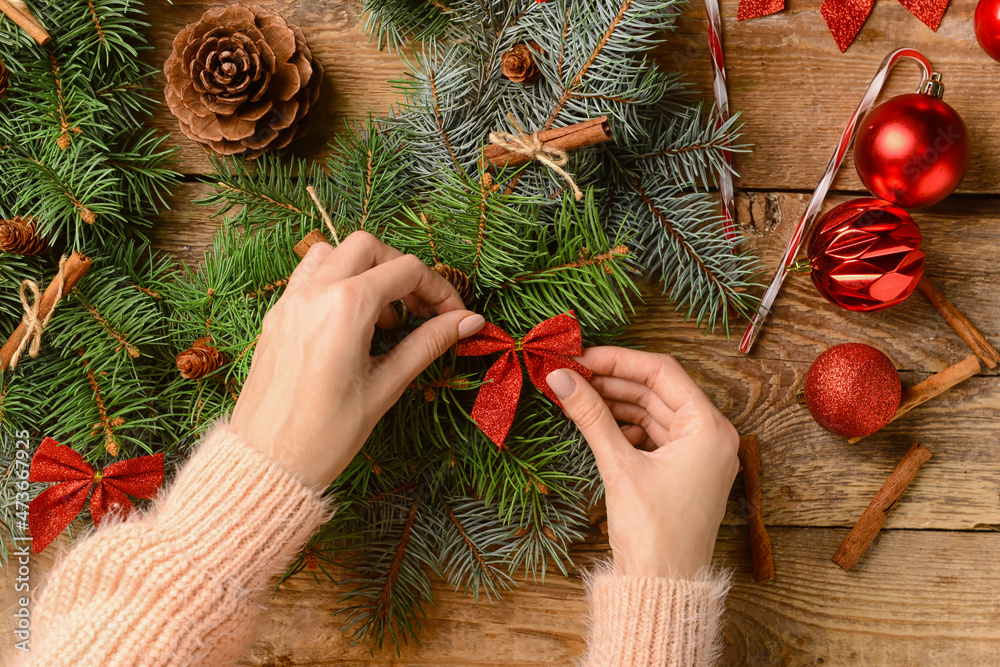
<point>865,255</point>
<point>852,390</point>
<point>988,27</point>
<point>912,150</point>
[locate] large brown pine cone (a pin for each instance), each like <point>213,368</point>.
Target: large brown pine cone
<point>199,360</point>
<point>241,80</point>
<point>18,237</point>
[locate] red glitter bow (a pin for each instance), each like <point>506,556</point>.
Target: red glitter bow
<point>58,505</point>
<point>545,349</point>
<point>845,17</point>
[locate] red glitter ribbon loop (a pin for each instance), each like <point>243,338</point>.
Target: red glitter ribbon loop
<point>846,17</point>
<point>546,348</point>
<point>58,505</point>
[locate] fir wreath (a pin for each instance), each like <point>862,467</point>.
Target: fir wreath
<point>429,493</point>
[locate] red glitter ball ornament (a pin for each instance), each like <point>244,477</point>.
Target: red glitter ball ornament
<point>988,27</point>
<point>865,255</point>
<point>852,390</point>
<point>913,150</point>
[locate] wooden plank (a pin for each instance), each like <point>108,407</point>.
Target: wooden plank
<point>795,90</point>
<point>918,598</point>
<point>811,477</point>
<point>961,242</point>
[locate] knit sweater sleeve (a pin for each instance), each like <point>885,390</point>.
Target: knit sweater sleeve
<point>647,621</point>
<point>183,583</point>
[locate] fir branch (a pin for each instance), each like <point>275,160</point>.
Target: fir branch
<point>123,343</point>
<point>106,425</point>
<point>384,604</point>
<point>440,122</point>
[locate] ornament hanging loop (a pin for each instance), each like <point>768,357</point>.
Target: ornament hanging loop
<point>933,86</point>
<point>805,227</point>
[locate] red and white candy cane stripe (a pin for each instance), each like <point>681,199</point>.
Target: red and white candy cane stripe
<point>722,107</point>
<point>804,229</point>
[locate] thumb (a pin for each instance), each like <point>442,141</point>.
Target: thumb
<point>428,342</point>
<point>588,410</point>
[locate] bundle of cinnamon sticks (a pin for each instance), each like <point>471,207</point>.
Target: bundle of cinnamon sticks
<point>76,266</point>
<point>568,139</point>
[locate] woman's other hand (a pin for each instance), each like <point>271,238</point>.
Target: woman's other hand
<point>314,392</point>
<point>668,472</point>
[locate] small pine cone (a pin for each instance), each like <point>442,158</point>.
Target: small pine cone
<point>3,79</point>
<point>199,360</point>
<point>241,80</point>
<point>458,278</point>
<point>311,561</point>
<point>518,64</point>
<point>18,237</point>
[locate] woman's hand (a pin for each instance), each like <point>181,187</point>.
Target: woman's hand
<point>667,474</point>
<point>314,391</point>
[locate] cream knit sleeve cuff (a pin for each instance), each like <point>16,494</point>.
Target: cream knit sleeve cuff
<point>655,621</point>
<point>182,583</point>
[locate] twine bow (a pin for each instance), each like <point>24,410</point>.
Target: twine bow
<point>533,147</point>
<point>33,323</point>
<point>57,506</point>
<point>547,347</point>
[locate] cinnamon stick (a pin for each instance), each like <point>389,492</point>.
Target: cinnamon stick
<point>960,323</point>
<point>760,541</point>
<point>873,518</point>
<point>310,239</point>
<point>74,269</point>
<point>936,384</point>
<point>568,138</point>
<point>19,13</point>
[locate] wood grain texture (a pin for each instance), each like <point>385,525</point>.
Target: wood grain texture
<point>918,598</point>
<point>795,91</point>
<point>811,477</point>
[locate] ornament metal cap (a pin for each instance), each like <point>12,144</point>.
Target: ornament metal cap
<point>933,86</point>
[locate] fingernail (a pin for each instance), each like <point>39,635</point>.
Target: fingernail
<point>470,325</point>
<point>561,383</point>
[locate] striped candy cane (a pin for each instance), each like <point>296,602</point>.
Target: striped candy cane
<point>722,109</point>
<point>804,228</point>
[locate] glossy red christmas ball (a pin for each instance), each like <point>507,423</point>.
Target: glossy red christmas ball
<point>912,150</point>
<point>988,27</point>
<point>852,390</point>
<point>865,255</point>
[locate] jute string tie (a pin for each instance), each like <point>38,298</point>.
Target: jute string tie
<point>533,147</point>
<point>33,323</point>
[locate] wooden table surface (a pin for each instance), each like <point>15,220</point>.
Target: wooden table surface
<point>928,591</point>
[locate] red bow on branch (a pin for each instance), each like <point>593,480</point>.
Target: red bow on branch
<point>58,505</point>
<point>545,349</point>
<point>845,17</point>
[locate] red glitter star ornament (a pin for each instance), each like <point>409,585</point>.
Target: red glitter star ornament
<point>846,17</point>
<point>546,348</point>
<point>58,505</point>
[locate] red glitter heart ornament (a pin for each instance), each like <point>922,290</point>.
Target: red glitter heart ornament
<point>846,17</point>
